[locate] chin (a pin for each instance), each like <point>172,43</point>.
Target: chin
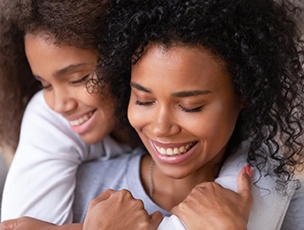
<point>89,140</point>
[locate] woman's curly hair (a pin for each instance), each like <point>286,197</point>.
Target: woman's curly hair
<point>71,22</point>
<point>260,43</point>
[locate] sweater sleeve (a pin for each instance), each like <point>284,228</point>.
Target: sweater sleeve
<point>41,178</point>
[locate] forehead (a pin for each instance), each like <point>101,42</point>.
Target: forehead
<point>44,54</point>
<point>186,64</point>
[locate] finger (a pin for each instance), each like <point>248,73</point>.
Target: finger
<point>101,197</point>
<point>156,218</point>
<point>105,194</point>
<point>5,226</point>
<point>10,224</point>
<point>244,181</point>
<point>244,190</point>
<point>174,210</point>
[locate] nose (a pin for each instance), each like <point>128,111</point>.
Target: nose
<point>63,101</point>
<point>164,123</point>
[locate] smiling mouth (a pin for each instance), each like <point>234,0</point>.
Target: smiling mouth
<point>81,120</point>
<point>176,150</point>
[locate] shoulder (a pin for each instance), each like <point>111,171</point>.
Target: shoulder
<point>294,218</point>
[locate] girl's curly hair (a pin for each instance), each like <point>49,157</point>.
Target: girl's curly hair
<point>71,22</point>
<point>260,42</point>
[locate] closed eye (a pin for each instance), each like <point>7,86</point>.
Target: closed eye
<point>44,85</point>
<point>141,103</point>
<point>193,110</point>
<point>82,80</point>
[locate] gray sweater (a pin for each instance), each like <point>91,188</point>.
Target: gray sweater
<point>124,173</point>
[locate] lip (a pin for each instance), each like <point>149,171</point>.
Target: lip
<point>175,159</point>
<point>81,129</point>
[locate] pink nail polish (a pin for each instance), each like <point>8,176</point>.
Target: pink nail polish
<point>248,170</point>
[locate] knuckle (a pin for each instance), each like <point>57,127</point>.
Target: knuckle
<point>140,203</point>
<point>125,192</point>
<point>93,203</point>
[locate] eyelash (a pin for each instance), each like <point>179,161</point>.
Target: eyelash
<point>140,103</point>
<point>194,110</point>
<point>73,82</point>
<point>44,87</point>
<point>81,80</point>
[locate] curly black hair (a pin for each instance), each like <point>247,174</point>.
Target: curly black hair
<point>69,22</point>
<point>260,43</point>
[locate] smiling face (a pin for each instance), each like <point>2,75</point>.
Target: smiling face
<point>183,107</point>
<point>63,72</point>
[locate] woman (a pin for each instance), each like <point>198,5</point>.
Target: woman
<point>207,78</point>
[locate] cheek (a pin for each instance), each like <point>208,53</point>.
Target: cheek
<point>138,116</point>
<point>216,123</point>
<point>134,117</point>
<point>49,98</point>
<point>106,106</point>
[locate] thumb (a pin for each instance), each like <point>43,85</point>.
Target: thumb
<point>244,190</point>
<point>156,218</point>
<point>244,182</point>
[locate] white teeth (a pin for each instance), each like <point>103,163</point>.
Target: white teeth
<point>169,151</point>
<point>81,120</point>
<point>174,151</point>
<point>181,149</point>
<point>162,151</point>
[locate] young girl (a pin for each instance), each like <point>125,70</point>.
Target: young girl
<point>207,78</point>
<point>74,118</point>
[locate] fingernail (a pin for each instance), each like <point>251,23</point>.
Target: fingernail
<point>248,170</point>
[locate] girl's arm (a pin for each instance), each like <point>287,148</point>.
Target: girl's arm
<point>28,223</point>
<point>41,178</point>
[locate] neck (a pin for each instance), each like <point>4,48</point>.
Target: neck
<point>169,192</point>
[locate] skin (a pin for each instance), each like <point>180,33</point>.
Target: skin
<point>64,86</point>
<point>187,99</point>
<point>122,204</point>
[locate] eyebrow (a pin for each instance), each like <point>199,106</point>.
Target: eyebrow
<point>141,88</point>
<point>69,68</point>
<point>175,94</point>
<point>65,70</point>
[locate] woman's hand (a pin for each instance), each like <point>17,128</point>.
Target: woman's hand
<point>29,223</point>
<point>210,206</point>
<point>119,210</point>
